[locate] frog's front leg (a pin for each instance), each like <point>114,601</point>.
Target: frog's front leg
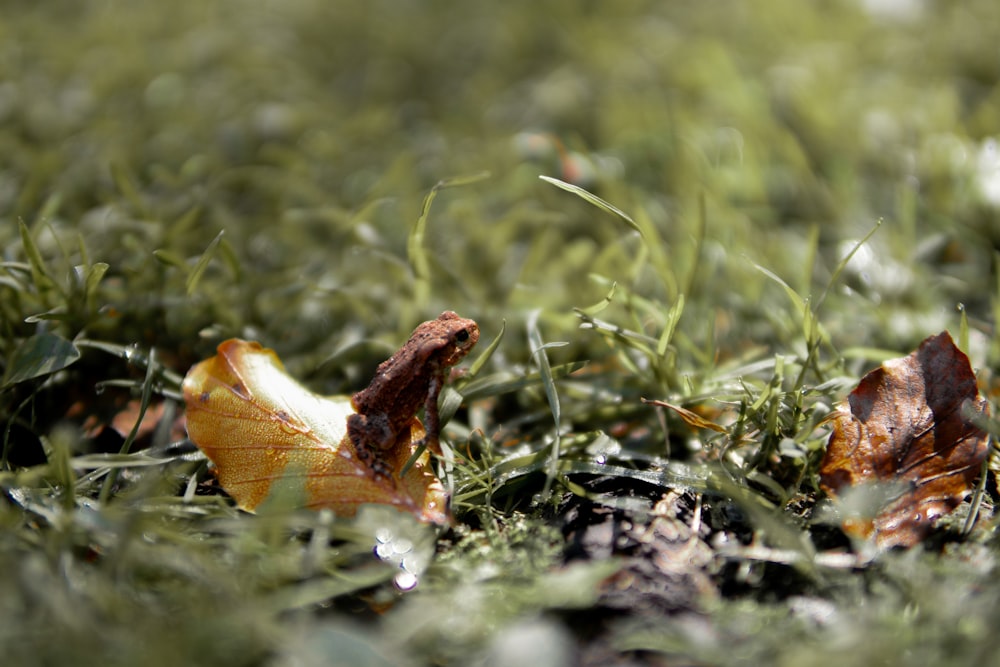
<point>370,438</point>
<point>432,420</point>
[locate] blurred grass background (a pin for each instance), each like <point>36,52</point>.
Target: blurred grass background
<point>739,136</point>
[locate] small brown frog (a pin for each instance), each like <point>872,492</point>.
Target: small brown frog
<point>409,379</point>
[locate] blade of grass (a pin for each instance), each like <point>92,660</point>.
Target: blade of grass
<point>977,497</point>
<point>92,280</point>
<point>59,447</point>
<point>593,199</point>
<point>815,335</point>
<point>415,249</point>
<point>170,258</point>
<point>147,393</point>
<point>500,384</point>
<point>538,348</point>
<point>126,186</point>
<point>641,224</point>
<point>843,263</point>
<point>699,242</point>
<point>191,284</point>
<point>670,475</point>
<point>484,357</point>
<point>670,326</point>
<point>963,329</point>
<point>794,297</point>
<point>39,274</point>
<point>51,206</point>
<point>591,311</point>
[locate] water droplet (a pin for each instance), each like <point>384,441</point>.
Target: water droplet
<point>402,546</point>
<point>405,581</point>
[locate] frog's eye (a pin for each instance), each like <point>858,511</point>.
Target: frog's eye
<point>462,335</point>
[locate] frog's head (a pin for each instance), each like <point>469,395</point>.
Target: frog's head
<point>452,337</point>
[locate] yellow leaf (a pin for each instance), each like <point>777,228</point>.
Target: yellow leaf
<point>271,439</point>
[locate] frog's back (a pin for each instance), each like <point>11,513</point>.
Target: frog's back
<point>397,389</point>
<point>407,380</point>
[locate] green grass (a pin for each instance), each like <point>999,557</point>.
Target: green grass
<point>765,200</point>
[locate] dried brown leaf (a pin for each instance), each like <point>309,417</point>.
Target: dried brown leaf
<point>692,419</point>
<point>905,425</point>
